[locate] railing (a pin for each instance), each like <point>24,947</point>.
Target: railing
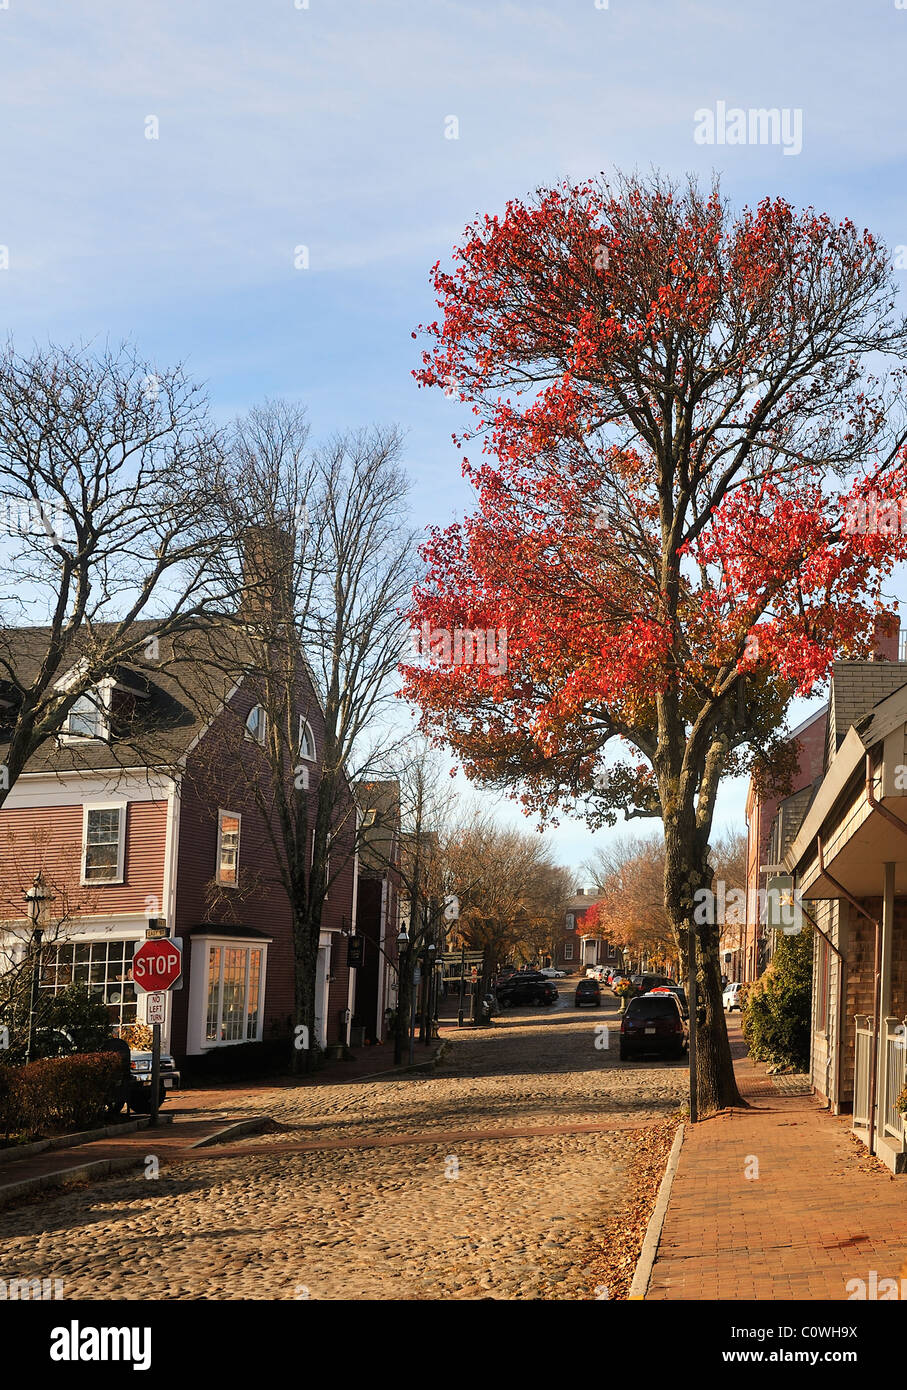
<point>861,1069</point>
<point>895,1054</point>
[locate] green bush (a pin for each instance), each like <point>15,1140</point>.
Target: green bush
<point>778,1009</point>
<point>82,1014</point>
<point>57,1093</point>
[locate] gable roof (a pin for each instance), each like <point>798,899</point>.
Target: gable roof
<point>380,839</point>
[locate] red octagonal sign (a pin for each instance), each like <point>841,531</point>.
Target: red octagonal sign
<point>157,965</point>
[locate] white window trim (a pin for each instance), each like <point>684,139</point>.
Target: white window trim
<point>196,1041</point>
<point>100,695</point>
<point>568,950</point>
<point>253,738</point>
<point>237,816</point>
<point>121,847</point>
<point>304,724</point>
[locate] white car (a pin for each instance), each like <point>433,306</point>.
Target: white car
<point>552,974</point>
<point>731,998</point>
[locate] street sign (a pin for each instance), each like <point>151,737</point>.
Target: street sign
<point>155,928</point>
<point>155,1007</point>
<point>157,965</point>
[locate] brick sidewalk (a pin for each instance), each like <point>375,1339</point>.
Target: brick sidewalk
<point>820,1213</point>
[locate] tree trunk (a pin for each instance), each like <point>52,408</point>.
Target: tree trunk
<point>687,871</point>
<point>306,936</point>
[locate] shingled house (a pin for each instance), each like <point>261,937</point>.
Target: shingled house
<point>845,842</point>
<point>137,809</point>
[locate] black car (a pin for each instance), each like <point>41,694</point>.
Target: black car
<point>653,1023</point>
<point>528,987</point>
<point>587,992</point>
<point>644,983</point>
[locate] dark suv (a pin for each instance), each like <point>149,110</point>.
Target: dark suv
<point>653,1023</point>
<point>527,987</point>
<point>587,992</point>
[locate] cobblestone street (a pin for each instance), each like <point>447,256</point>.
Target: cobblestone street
<point>422,1189</point>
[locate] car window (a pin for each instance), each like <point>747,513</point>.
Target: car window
<point>663,1006</point>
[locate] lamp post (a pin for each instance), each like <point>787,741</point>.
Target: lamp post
<point>402,961</point>
<point>37,898</point>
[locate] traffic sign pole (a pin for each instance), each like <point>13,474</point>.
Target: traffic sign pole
<point>155,1073</point>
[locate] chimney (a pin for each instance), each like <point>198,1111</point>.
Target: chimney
<point>885,637</point>
<point>267,580</point>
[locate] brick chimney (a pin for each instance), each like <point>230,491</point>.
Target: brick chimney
<point>267,588</point>
<point>885,637</point>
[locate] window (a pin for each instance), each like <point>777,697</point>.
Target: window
<point>257,725</point>
<point>571,922</point>
<point>104,967</point>
<point>103,843</point>
<point>87,717</point>
<point>568,950</point>
<point>228,848</point>
<point>824,980</point>
<point>306,740</point>
<point>234,996</point>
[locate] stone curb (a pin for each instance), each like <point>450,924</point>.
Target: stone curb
<point>71,1141</point>
<point>236,1127</point>
<point>646,1262</point>
<point>65,1177</point>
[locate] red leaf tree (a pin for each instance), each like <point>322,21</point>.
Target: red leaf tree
<point>687,505</point>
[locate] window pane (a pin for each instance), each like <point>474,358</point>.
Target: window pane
<point>254,983</point>
<point>108,980</point>
<point>102,844</point>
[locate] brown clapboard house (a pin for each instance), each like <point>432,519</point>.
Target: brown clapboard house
<point>137,810</point>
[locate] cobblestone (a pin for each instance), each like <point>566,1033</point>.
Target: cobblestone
<point>498,1217</point>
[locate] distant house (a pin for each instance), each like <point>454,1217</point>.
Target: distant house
<point>128,817</point>
<point>576,948</point>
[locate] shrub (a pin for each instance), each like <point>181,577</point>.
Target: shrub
<point>57,1092</point>
<point>82,1014</point>
<point>778,1009</point>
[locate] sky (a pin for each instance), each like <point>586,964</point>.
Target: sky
<point>260,190</point>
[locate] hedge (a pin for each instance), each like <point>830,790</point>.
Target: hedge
<point>242,1060</point>
<point>58,1093</point>
<point>778,1009</point>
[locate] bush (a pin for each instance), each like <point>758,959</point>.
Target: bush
<point>82,1014</point>
<point>777,1012</point>
<point>57,1093</point>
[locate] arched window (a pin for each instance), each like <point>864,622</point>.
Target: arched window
<point>257,725</point>
<point>306,740</point>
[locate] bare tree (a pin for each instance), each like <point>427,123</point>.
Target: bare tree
<point>327,562</point>
<point>107,524</point>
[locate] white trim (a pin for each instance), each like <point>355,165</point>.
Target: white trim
<point>309,757</point>
<point>120,806</point>
<point>73,789</point>
<point>237,816</point>
<point>196,1025</point>
<point>171,855</point>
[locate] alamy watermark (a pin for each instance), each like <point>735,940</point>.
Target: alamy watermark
<point>461,646</point>
<point>734,906</point>
<point>755,125</point>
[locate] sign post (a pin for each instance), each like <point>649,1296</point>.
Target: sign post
<point>156,967</point>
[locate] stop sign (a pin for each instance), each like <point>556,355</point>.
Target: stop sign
<point>157,965</point>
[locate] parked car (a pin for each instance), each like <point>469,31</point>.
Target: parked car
<point>588,991</point>
<point>646,981</point>
<point>679,993</point>
<point>140,1072</point>
<point>733,997</point>
<point>531,987</point>
<point>653,1023</point>
<point>552,974</point>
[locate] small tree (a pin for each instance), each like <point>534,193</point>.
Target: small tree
<point>778,1012</point>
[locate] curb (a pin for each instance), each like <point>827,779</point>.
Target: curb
<point>71,1141</point>
<point>236,1127</point>
<point>65,1177</point>
<point>646,1262</point>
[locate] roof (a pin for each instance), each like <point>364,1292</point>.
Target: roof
<point>178,693</point>
<point>856,686</point>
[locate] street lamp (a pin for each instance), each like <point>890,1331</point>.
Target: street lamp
<point>37,899</point>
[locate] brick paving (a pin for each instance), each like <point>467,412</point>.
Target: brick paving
<point>820,1213</point>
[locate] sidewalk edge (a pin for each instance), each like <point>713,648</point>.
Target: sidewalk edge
<point>646,1262</point>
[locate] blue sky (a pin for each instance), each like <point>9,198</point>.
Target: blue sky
<point>324,127</point>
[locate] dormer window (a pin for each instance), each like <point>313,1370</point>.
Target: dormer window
<point>306,740</point>
<point>257,725</point>
<point>87,717</point>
